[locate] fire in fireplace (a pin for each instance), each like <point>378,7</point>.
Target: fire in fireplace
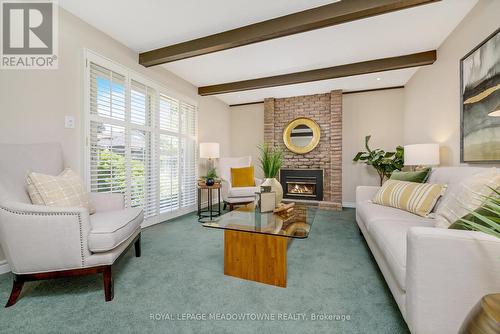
<point>302,183</point>
<point>303,188</point>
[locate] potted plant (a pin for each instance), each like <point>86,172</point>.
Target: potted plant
<point>486,218</point>
<point>271,159</point>
<point>383,162</point>
<point>211,178</point>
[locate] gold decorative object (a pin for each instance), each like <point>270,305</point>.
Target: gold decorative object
<point>484,318</point>
<point>301,135</point>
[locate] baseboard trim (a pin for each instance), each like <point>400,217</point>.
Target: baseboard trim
<point>4,267</point>
<point>349,204</point>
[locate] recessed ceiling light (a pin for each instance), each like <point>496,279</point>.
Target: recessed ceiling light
<point>378,79</point>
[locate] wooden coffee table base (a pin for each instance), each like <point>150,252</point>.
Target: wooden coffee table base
<point>255,257</point>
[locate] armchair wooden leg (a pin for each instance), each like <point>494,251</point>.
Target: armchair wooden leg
<point>17,286</point>
<point>108,283</point>
<point>231,206</point>
<point>137,246</point>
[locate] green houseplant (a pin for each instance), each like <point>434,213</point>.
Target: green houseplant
<point>211,176</point>
<point>383,162</point>
<point>271,160</point>
<point>486,218</point>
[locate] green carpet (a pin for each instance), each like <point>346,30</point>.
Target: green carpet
<point>180,274</point>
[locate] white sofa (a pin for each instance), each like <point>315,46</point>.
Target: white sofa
<point>435,275</point>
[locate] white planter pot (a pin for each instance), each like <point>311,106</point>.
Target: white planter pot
<point>276,187</point>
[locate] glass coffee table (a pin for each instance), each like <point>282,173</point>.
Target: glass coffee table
<point>255,244</point>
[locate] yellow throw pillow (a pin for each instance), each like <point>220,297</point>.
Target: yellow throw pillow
<point>242,177</point>
<point>64,190</point>
<point>417,198</point>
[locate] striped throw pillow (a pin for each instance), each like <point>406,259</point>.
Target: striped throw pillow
<point>417,198</point>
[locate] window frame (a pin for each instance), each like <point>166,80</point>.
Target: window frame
<point>153,128</point>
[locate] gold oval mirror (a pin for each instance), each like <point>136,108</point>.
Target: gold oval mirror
<point>301,135</point>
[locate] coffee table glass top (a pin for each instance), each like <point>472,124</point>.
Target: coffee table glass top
<point>296,224</point>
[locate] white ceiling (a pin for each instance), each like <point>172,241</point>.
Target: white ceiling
<point>144,25</point>
<point>149,24</point>
<point>355,83</point>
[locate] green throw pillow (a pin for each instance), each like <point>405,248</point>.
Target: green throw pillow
<point>458,225</point>
<point>419,176</point>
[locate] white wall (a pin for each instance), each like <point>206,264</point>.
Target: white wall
<point>247,132</point>
<point>379,114</point>
<point>214,126</point>
<point>33,103</point>
<point>432,100</point>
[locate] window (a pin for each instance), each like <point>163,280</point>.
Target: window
<point>141,141</point>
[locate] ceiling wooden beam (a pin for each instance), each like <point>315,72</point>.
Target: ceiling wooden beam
<point>343,93</point>
<point>315,18</point>
<point>371,90</point>
<point>347,70</point>
<point>245,104</point>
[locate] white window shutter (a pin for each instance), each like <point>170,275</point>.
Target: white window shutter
<point>142,143</point>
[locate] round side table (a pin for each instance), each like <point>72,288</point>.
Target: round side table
<point>209,213</point>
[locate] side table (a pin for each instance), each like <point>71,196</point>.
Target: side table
<point>209,212</point>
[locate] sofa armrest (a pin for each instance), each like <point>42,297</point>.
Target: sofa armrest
<point>38,238</point>
<point>107,201</point>
<point>364,193</point>
<point>447,273</point>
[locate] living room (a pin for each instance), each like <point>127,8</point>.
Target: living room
<point>250,167</point>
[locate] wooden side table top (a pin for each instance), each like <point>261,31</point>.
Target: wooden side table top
<point>204,186</point>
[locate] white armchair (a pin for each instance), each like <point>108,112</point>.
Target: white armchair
<point>236,195</point>
<point>41,242</point>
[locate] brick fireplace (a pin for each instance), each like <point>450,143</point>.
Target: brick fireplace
<point>326,110</point>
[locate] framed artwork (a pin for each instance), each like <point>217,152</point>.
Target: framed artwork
<point>480,102</point>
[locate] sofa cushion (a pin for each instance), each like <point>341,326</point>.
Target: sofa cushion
<point>466,196</point>
<point>418,176</point>
<point>418,198</point>
<point>243,191</point>
<point>64,190</point>
<point>242,177</point>
<point>110,228</point>
<point>390,237</point>
<point>370,212</point>
<point>225,165</point>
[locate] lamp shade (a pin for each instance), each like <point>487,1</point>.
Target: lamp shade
<point>209,150</point>
<point>422,155</point>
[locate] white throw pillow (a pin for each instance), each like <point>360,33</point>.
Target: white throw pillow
<point>64,190</point>
<point>466,197</point>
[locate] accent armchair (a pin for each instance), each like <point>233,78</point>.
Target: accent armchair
<point>236,195</point>
<point>41,242</point>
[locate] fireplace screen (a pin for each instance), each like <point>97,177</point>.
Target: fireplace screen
<point>302,183</point>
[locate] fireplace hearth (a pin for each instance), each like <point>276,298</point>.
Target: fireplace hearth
<point>302,183</point>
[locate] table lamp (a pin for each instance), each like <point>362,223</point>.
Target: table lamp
<point>419,155</point>
<point>210,151</point>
